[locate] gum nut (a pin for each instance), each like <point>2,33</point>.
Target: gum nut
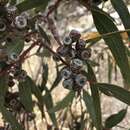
<point>72,53</point>
<point>13,56</point>
<point>62,50</point>
<point>66,73</point>
<point>80,80</point>
<point>13,102</point>
<point>11,9</point>
<point>67,40</point>
<point>80,44</point>
<point>20,22</point>
<point>76,63</point>
<point>68,84</point>
<point>75,35</point>
<point>23,74</point>
<point>85,54</point>
<point>2,26</point>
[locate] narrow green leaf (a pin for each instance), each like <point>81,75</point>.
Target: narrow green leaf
<point>123,12</point>
<point>64,103</point>
<point>10,118</point>
<point>57,79</point>
<point>13,2</point>
<point>30,4</point>
<point>110,65</point>
<point>89,105</point>
<point>38,94</point>
<point>115,91</point>
<point>114,119</point>
<point>44,35</point>
<point>44,75</point>
<point>114,42</point>
<point>26,95</point>
<point>82,123</point>
<point>96,98</point>
<point>49,104</point>
<point>35,90</point>
<point>16,46</point>
<point>47,42</point>
<point>3,88</point>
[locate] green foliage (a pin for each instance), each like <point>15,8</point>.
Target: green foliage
<point>30,4</point>
<point>114,119</point>
<point>115,91</point>
<point>26,95</point>
<point>10,118</point>
<point>47,98</point>
<point>14,39</point>
<point>64,103</point>
<point>114,42</point>
<point>123,12</point>
<point>96,99</point>
<point>90,106</point>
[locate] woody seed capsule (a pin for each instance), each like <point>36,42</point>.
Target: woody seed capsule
<point>66,73</point>
<point>20,22</point>
<point>80,80</point>
<point>68,84</point>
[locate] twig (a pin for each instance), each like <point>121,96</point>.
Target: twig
<point>53,7</point>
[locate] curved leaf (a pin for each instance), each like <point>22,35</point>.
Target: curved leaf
<point>114,119</point>
<point>115,91</point>
<point>114,42</point>
<point>123,12</point>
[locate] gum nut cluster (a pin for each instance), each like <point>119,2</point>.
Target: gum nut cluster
<point>75,53</point>
<point>12,18</point>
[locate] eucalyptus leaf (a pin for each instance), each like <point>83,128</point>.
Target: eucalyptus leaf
<point>15,46</point>
<point>30,4</point>
<point>10,118</point>
<point>123,12</point>
<point>47,98</point>
<point>115,91</point>
<point>115,119</point>
<point>26,95</point>
<point>96,98</point>
<point>114,42</point>
<point>64,103</point>
<point>3,88</point>
<point>89,105</point>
